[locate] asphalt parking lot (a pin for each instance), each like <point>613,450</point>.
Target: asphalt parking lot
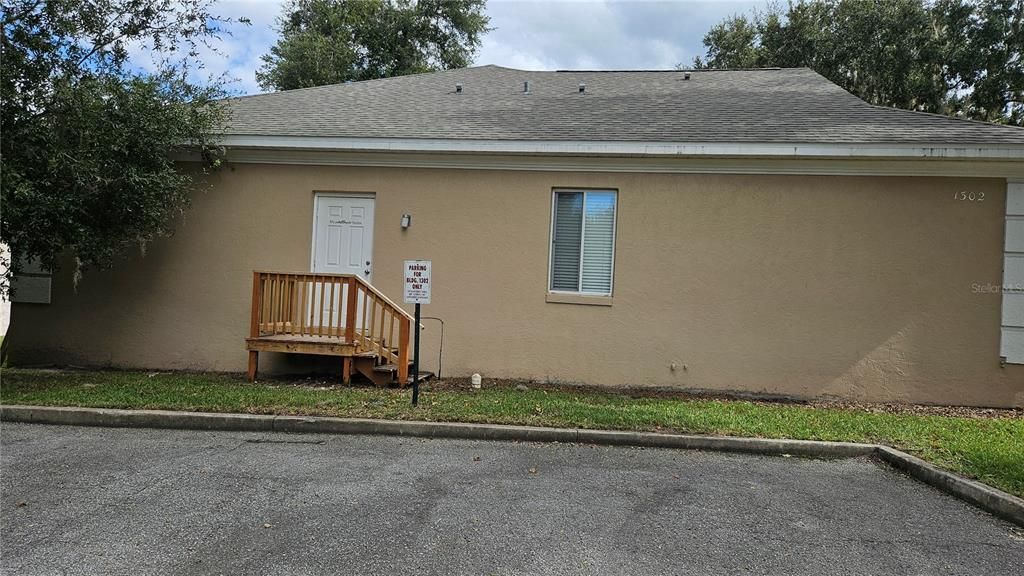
<point>124,501</point>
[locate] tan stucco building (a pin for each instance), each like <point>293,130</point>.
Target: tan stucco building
<point>759,231</point>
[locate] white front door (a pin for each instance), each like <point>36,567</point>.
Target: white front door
<point>343,243</point>
<point>344,236</point>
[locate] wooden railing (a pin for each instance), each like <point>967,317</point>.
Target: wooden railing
<point>331,307</point>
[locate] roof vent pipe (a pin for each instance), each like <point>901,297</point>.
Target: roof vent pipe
<point>583,88</point>
<point>458,88</point>
<point>526,87</point>
<point>686,76</point>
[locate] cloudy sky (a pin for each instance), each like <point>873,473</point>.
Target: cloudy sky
<point>530,34</point>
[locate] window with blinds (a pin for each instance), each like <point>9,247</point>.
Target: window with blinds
<point>583,242</point>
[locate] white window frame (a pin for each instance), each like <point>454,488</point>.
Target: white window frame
<point>1011,345</point>
<point>32,285</point>
<point>551,241</point>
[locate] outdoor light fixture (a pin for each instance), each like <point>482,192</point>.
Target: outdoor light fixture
<point>406,221</point>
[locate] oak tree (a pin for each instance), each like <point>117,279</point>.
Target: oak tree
<point>87,137</point>
<point>332,41</point>
<point>955,57</point>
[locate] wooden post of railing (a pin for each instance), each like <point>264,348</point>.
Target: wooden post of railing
<point>350,310</point>
<point>350,327</point>
<point>254,324</point>
<point>403,351</point>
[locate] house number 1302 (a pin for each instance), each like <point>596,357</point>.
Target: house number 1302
<point>969,196</point>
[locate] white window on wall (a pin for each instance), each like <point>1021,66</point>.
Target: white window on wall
<point>1013,276</point>
<point>583,241</point>
<point>31,285</point>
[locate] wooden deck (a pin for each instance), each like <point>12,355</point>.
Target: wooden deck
<point>329,315</point>
<point>302,344</point>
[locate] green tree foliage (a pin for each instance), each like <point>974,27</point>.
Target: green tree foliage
<point>87,138</point>
<point>732,43</point>
<point>331,41</point>
<point>955,57</point>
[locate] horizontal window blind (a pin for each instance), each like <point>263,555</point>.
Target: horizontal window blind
<point>583,242</point>
<point>568,239</point>
<point>1012,347</point>
<point>598,242</point>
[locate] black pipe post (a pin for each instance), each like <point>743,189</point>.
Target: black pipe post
<point>416,360</point>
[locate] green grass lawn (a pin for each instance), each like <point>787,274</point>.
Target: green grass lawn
<point>988,449</point>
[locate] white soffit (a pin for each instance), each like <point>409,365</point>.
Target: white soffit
<point>669,165</point>
<point>626,149</point>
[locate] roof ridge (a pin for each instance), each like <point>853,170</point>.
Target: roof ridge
<point>626,71</point>
<point>498,67</point>
<point>368,80</point>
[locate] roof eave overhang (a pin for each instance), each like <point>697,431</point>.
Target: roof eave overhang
<point>978,161</point>
<point>916,151</point>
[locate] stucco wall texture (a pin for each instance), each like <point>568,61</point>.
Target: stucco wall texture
<point>867,288</point>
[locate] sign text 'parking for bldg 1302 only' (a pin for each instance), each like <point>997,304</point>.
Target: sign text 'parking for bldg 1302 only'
<point>417,282</point>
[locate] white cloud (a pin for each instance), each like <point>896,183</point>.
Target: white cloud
<point>600,34</point>
<point>236,54</point>
<point>241,50</point>
<point>533,35</point>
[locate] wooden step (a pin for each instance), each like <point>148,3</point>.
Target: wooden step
<point>424,376</point>
<point>388,372</point>
<point>379,374</point>
<point>385,374</point>
<point>393,371</point>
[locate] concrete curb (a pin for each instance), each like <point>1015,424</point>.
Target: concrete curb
<point>327,425</point>
<point>985,497</point>
<point>806,448</point>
